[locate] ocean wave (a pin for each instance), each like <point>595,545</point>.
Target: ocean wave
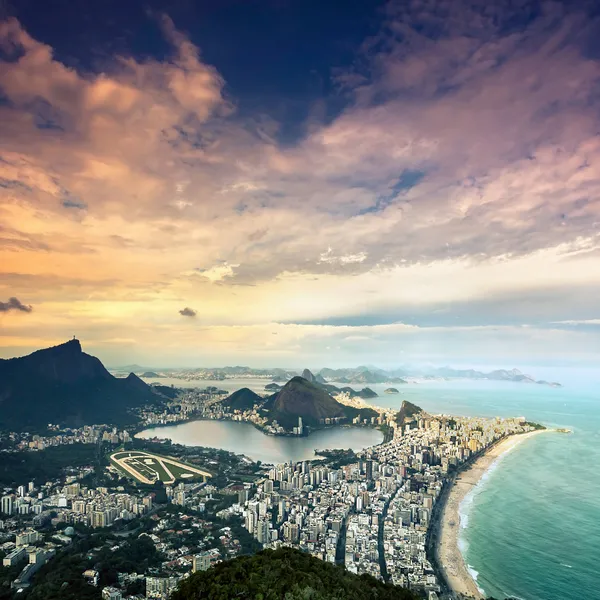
<point>464,508</point>
<point>474,575</point>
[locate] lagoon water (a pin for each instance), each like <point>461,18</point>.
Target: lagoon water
<point>244,438</point>
<point>533,522</point>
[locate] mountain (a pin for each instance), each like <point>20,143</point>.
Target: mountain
<point>243,399</point>
<point>306,374</point>
<point>497,375</point>
<point>63,385</point>
<point>285,573</point>
<point>359,375</point>
<point>367,393</point>
<point>311,401</point>
<point>407,411</point>
<point>272,387</point>
<point>301,398</point>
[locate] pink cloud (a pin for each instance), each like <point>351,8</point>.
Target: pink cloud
<point>500,126</point>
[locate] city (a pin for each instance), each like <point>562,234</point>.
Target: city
<point>371,511</point>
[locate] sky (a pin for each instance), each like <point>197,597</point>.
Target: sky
<point>289,182</point>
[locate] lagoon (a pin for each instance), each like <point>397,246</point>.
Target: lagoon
<point>244,438</point>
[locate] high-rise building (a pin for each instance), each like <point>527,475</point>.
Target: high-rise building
<point>299,425</point>
<point>250,521</point>
<point>201,562</point>
<point>14,557</point>
<point>262,531</point>
<point>27,537</point>
<point>369,470</point>
<point>291,531</point>
<point>98,519</point>
<point>7,505</point>
<point>160,587</point>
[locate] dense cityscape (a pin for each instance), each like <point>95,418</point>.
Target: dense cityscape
<point>372,511</point>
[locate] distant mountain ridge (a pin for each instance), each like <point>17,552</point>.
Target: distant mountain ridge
<point>497,375</point>
<point>64,385</point>
<point>358,375</point>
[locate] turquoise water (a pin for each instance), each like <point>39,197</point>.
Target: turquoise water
<point>533,527</point>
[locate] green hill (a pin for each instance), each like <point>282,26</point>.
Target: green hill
<point>243,399</point>
<point>301,398</point>
<point>284,574</point>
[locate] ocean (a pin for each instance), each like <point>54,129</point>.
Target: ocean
<point>533,522</point>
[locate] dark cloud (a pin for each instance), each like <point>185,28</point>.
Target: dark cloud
<point>74,204</point>
<point>187,312</point>
<point>15,304</point>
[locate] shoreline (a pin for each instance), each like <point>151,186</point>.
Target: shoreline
<point>449,556</point>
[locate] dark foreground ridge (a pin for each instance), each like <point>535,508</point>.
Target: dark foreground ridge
<point>285,573</point>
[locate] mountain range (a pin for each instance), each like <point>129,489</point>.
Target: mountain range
<point>64,385</point>
<point>354,376</point>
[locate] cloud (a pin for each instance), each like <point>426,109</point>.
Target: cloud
<point>329,257</point>
<point>15,304</point>
<point>217,272</point>
<point>187,312</point>
<point>74,204</point>
<point>464,166</point>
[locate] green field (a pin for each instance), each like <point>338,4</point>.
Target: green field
<point>146,467</point>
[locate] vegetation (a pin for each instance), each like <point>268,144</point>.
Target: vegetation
<point>338,458</point>
<point>243,399</point>
<point>17,468</point>
<point>284,574</point>
<point>7,576</point>
<point>311,401</point>
<point>536,426</point>
<point>61,578</point>
<point>301,398</point>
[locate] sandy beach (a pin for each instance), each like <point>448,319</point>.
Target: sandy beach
<point>448,552</point>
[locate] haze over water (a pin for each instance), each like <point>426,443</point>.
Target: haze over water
<point>533,528</point>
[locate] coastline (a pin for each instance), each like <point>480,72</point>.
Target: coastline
<point>449,557</point>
